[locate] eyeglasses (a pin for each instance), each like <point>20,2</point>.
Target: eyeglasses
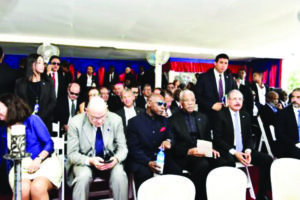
<point>55,63</point>
<point>93,95</point>
<point>76,94</point>
<point>135,92</point>
<point>161,103</point>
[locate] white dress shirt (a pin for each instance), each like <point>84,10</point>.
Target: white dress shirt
<point>70,107</point>
<point>129,113</point>
<point>89,81</point>
<point>56,82</point>
<point>261,94</point>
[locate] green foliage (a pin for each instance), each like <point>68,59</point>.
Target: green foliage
<point>293,80</point>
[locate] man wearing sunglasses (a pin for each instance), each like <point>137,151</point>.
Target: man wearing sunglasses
<point>57,77</point>
<point>68,106</point>
<point>146,134</point>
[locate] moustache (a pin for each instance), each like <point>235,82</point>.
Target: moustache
<point>237,104</point>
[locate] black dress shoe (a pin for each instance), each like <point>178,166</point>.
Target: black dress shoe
<point>262,197</point>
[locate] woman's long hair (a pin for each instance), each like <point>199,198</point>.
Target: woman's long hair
<point>17,109</point>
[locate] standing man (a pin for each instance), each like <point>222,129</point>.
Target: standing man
<point>96,148</point>
<point>57,77</point>
<point>242,75</point>
<point>212,87</point>
<point>188,126</point>
<point>129,110</point>
<point>287,128</point>
<point>142,100</point>
<point>146,134</point>
<point>7,76</point>
<point>88,80</point>
<point>68,107</point>
<point>111,78</point>
<point>259,88</point>
<point>233,138</point>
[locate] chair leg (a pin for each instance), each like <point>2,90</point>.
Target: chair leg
<point>131,187</point>
<point>250,185</point>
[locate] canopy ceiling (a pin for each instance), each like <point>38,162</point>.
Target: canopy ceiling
<point>118,29</point>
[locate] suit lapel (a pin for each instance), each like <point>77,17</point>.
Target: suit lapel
<point>230,125</point>
<point>183,126</point>
<point>107,131</point>
<point>87,130</point>
<point>243,125</point>
<point>199,125</point>
<point>44,92</point>
<point>213,83</point>
<point>227,83</point>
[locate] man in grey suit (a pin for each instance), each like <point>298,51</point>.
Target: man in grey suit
<point>96,148</point>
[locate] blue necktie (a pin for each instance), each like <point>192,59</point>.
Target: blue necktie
<point>99,143</point>
<point>299,124</point>
<point>274,109</point>
<point>238,133</point>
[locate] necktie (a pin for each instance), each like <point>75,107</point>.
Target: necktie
<point>53,78</point>
<point>73,108</point>
<point>299,124</point>
<point>99,143</point>
<point>274,109</point>
<point>238,133</point>
<point>220,88</point>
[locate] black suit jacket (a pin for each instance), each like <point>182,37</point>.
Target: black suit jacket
<point>206,91</point>
<point>114,103</point>
<point>62,111</point>
<point>83,80</point>
<point>182,138</point>
<point>140,102</point>
<point>223,131</point>
<point>121,113</point>
<point>115,80</point>
<point>286,128</point>
<point>248,99</point>
<point>47,100</point>
<point>268,117</point>
<point>254,88</point>
<point>7,79</point>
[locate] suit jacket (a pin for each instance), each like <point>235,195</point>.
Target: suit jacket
<point>248,99</point>
<point>62,110</point>
<point>115,80</point>
<point>144,135</point>
<point>206,90</point>
<point>47,99</point>
<point>83,80</point>
<point>121,113</point>
<point>140,101</point>
<point>182,138</point>
<point>81,140</point>
<point>62,87</point>
<point>223,131</point>
<point>286,127</point>
<point>254,88</point>
<point>7,79</point>
<point>114,103</point>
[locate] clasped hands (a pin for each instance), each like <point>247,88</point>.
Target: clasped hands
<point>244,158</point>
<point>198,152</point>
<point>99,163</point>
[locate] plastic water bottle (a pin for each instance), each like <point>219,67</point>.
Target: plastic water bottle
<point>160,160</point>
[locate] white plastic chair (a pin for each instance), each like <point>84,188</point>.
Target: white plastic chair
<point>167,187</point>
<point>285,179</point>
<point>226,183</point>
<point>263,137</point>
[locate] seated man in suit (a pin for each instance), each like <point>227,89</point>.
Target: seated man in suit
<point>146,134</point>
<point>96,148</point>
<point>170,110</point>
<point>67,107</point>
<point>142,100</point>
<point>268,115</point>
<point>287,128</point>
<point>129,110</point>
<point>233,138</point>
<point>114,101</point>
<point>188,126</point>
<point>104,94</point>
<point>283,99</point>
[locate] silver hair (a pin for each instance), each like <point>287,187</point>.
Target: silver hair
<point>185,92</point>
<point>233,91</point>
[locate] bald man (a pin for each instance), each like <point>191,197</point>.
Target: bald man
<point>96,148</point>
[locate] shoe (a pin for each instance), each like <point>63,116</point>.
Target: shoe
<point>262,197</point>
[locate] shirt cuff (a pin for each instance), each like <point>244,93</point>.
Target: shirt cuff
<point>248,151</point>
<point>87,162</point>
<point>232,151</point>
<point>298,145</point>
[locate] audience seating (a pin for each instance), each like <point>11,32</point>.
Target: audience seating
<point>263,138</point>
<point>226,183</point>
<point>167,187</point>
<point>285,179</point>
<point>249,182</point>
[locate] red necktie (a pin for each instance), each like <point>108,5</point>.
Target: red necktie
<point>53,78</point>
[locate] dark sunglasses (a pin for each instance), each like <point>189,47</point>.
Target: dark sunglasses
<point>72,93</point>
<point>55,63</point>
<point>160,103</point>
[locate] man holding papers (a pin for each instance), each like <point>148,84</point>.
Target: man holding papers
<point>192,143</point>
<point>233,138</point>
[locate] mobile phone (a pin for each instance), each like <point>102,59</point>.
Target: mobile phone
<point>107,161</point>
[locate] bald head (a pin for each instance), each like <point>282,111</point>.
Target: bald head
<point>73,91</point>
<point>155,105</point>
<point>96,111</point>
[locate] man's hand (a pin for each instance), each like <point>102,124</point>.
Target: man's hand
<point>196,152</point>
<point>216,154</point>
<point>100,165</point>
<point>279,106</point>
<point>165,145</point>
<point>243,158</point>
<point>154,167</point>
<point>217,106</point>
<point>66,127</point>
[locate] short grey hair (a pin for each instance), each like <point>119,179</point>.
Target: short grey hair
<point>185,92</point>
<point>234,91</point>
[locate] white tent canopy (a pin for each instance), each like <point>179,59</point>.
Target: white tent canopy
<point>129,29</point>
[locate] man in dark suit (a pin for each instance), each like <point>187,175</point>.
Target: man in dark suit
<point>242,75</point>
<point>68,107</point>
<point>268,115</point>
<point>146,134</point>
<point>58,78</point>
<point>129,110</point>
<point>212,87</point>
<point>141,100</point>
<point>88,80</point>
<point>114,101</point>
<point>110,78</point>
<point>188,126</point>
<point>287,128</point>
<point>7,76</point>
<point>259,88</point>
<point>233,138</point>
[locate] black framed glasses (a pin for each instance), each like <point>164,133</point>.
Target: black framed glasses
<point>55,63</point>
<point>76,94</point>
